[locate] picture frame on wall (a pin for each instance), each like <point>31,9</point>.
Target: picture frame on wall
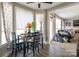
<point>68,23</point>
<point>75,22</point>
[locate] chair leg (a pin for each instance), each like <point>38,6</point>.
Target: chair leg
<point>33,50</point>
<point>12,52</point>
<point>38,49</point>
<point>18,48</point>
<point>15,52</point>
<point>42,43</point>
<point>27,47</point>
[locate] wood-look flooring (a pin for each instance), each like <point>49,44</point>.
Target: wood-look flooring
<point>55,49</point>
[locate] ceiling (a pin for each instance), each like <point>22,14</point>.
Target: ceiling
<point>43,6</point>
<point>66,10</point>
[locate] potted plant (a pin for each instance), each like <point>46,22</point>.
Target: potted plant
<point>29,26</point>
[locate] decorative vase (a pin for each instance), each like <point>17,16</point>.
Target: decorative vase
<point>29,31</point>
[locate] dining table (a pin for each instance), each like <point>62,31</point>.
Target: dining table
<point>23,37</point>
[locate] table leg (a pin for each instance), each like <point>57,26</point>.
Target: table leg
<point>42,42</point>
<point>33,50</point>
<point>24,49</point>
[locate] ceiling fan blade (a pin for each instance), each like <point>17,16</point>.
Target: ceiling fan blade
<point>29,2</point>
<point>48,2</point>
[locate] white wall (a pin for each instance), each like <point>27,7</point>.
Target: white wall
<point>0,23</point>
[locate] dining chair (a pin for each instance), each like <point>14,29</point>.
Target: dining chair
<point>34,42</point>
<point>16,44</point>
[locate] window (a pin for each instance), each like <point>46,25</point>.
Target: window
<point>2,33</point>
<point>51,29</point>
<point>23,16</point>
<point>7,8</point>
<point>39,21</point>
<point>58,24</point>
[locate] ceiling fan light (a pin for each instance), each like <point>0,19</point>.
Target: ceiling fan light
<point>38,5</point>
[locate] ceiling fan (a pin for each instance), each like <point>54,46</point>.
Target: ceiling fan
<point>39,5</point>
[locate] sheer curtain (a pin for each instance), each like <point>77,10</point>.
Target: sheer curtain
<point>23,16</point>
<point>6,19</point>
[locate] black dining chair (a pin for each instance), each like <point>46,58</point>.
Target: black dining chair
<point>16,44</point>
<point>34,42</point>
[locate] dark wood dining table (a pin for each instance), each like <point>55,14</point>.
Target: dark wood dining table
<point>24,38</point>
